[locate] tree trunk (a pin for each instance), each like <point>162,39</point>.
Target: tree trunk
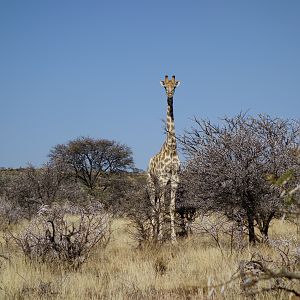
<point>265,226</point>
<point>251,231</point>
<point>249,206</point>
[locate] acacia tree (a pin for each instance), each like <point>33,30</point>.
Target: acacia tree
<point>90,160</point>
<point>227,167</point>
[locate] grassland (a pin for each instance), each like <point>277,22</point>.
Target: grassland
<point>188,270</point>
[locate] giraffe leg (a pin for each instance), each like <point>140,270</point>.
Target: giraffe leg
<point>174,186</point>
<point>151,191</point>
<point>161,214</point>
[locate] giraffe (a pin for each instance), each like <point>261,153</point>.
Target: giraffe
<point>163,169</point>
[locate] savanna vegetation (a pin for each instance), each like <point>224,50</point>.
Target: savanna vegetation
<point>79,226</point>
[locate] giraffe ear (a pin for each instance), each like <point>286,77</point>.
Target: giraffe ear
<point>162,83</point>
<point>177,83</point>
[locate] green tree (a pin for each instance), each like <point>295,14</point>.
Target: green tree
<point>92,160</point>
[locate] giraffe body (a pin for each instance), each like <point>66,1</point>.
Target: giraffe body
<point>163,170</point>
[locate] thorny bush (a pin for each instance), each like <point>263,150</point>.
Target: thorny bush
<point>54,236</point>
<point>275,274</point>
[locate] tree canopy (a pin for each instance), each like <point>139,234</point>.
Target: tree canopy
<point>227,166</point>
<point>89,159</point>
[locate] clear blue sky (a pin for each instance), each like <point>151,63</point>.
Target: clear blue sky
<point>92,68</point>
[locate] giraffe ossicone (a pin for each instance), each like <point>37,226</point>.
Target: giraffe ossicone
<point>163,170</point>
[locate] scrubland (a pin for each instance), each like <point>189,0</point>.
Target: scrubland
<point>239,176</point>
<point>194,268</point>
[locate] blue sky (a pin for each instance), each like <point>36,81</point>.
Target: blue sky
<point>92,68</point>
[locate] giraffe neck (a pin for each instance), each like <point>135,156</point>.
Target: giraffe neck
<point>171,140</point>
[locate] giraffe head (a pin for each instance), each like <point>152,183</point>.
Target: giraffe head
<point>170,85</point>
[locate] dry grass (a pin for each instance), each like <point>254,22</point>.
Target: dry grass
<point>122,271</point>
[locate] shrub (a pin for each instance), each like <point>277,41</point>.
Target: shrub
<point>54,236</point>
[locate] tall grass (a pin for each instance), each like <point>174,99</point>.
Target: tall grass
<point>195,268</point>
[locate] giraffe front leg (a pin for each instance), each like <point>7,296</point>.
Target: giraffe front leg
<point>174,186</point>
<point>161,215</point>
<point>153,208</point>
